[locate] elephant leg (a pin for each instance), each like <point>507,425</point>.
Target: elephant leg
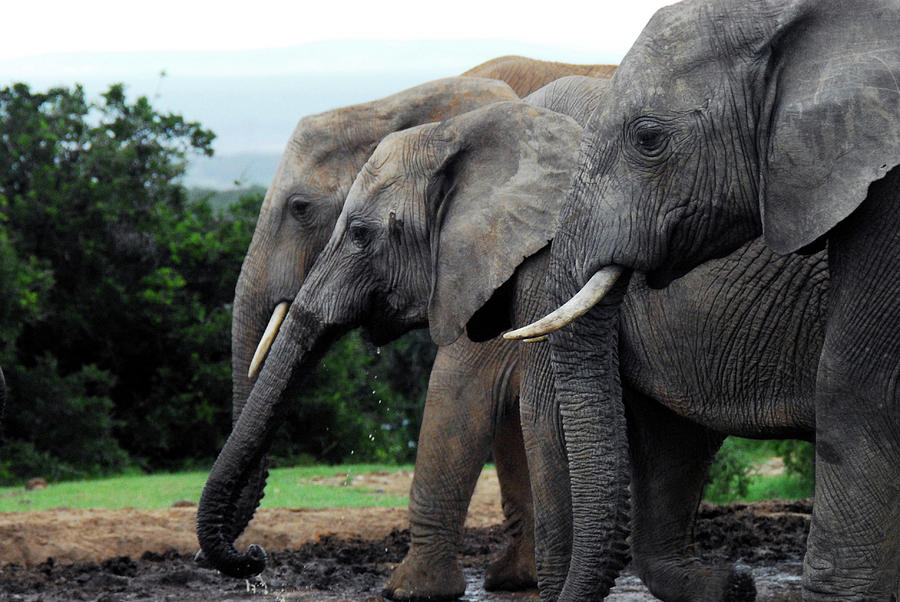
<point>454,442</point>
<point>514,568</point>
<point>670,460</point>
<point>853,550</point>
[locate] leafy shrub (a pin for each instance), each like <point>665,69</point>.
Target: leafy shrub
<point>115,304</point>
<point>356,408</point>
<point>729,476</point>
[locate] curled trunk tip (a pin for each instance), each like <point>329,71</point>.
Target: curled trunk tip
<point>216,552</point>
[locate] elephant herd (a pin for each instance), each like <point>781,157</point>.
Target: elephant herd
<point>717,221</point>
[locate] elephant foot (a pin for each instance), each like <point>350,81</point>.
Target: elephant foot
<point>513,570</point>
<point>679,580</point>
<point>739,586</point>
<point>421,578</point>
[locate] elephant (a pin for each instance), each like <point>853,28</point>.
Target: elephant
<point>428,200</point>
<point>526,75</point>
<point>297,217</point>
<point>509,159</point>
<point>771,118</point>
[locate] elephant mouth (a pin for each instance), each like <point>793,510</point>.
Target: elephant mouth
<point>661,278</point>
<point>268,337</point>
<point>590,294</point>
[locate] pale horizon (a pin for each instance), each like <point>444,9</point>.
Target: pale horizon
<point>37,29</point>
<point>249,76</point>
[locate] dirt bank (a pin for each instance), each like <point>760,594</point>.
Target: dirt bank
<point>335,554</point>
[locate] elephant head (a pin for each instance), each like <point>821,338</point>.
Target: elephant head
<point>300,209</point>
<point>437,220</point>
<point>726,120</point>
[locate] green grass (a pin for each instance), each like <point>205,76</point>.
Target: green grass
<point>780,487</point>
<point>291,488</point>
<point>734,480</point>
<point>287,488</point>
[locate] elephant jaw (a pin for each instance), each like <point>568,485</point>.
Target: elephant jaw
<point>589,295</point>
<point>268,338</point>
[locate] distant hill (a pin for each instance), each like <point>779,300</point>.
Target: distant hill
<point>222,199</point>
<point>223,172</point>
<point>252,99</point>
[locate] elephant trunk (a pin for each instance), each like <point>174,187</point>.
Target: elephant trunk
<point>546,450</point>
<point>239,472</point>
<point>585,362</point>
<point>247,326</point>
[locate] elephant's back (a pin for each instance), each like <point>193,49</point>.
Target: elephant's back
<point>525,75</point>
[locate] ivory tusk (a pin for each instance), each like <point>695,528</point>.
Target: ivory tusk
<point>268,336</point>
<point>589,295</point>
<point>539,339</point>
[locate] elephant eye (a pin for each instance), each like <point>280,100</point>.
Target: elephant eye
<point>299,208</point>
<point>360,234</point>
<point>650,138</point>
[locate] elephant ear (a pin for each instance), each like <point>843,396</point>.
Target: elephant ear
<point>494,196</point>
<point>833,108</point>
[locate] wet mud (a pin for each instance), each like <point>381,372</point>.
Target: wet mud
<point>767,537</point>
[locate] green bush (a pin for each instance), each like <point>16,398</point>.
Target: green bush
<point>357,407</point>
<point>730,477</point>
<point>115,304</point>
<point>799,461</point>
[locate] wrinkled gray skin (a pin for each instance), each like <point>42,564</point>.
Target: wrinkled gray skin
<point>437,220</point>
<point>407,181</point>
<point>473,390</point>
<point>725,121</point>
<point>729,349</point>
<point>474,398</point>
<point>297,217</point>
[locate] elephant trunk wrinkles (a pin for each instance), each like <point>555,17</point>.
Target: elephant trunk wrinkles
<point>585,360</point>
<point>545,446</point>
<point>247,327</point>
<point>239,471</point>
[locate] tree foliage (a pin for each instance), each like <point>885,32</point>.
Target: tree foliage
<point>115,303</point>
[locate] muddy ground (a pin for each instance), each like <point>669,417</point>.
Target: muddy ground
<point>336,554</point>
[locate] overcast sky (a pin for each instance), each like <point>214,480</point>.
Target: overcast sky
<point>40,27</point>
<point>249,70</point>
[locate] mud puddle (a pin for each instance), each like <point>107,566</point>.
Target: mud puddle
<point>769,538</point>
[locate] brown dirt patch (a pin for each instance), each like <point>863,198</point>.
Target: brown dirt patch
<point>335,554</point>
<point>66,535</point>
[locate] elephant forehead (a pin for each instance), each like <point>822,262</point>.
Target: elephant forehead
<point>695,43</point>
<point>379,190</point>
<point>400,156</point>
